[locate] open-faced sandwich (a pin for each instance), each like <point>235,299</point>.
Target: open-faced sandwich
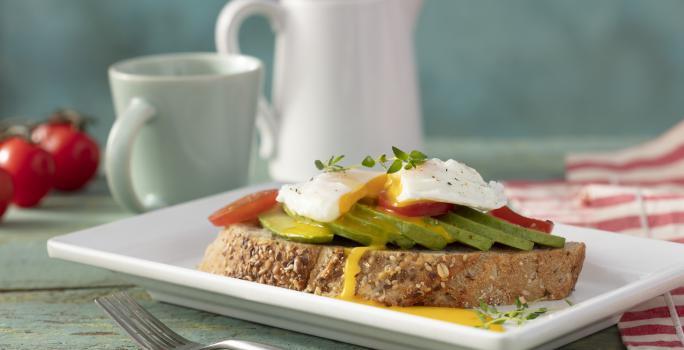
<point>424,232</point>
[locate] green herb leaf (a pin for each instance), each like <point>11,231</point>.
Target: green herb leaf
<point>368,162</point>
<point>570,303</point>
<point>417,155</point>
<point>338,159</point>
<point>396,165</point>
<point>383,158</point>
<point>400,154</point>
<point>520,315</point>
<point>319,165</point>
<point>482,317</point>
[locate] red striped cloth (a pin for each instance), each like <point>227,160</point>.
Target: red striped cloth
<point>637,191</point>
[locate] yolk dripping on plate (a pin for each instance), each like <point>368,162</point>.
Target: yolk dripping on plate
<point>460,316</point>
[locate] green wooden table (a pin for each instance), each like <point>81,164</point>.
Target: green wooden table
<point>48,304</point>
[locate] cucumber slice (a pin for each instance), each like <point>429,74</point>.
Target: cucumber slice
<point>433,237</point>
<point>380,227</point>
<point>537,237</point>
<point>281,224</point>
<point>489,232</point>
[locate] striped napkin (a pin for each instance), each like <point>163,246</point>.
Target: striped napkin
<point>637,191</point>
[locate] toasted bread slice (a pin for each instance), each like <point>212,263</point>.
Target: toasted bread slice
<point>454,277</point>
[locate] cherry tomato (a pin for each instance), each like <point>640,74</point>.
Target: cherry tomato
<point>507,214</point>
<point>6,191</point>
<point>32,170</point>
<point>76,154</point>
<point>427,208</point>
<point>40,132</point>
<point>245,209</point>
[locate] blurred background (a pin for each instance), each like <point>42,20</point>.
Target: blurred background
<point>529,79</point>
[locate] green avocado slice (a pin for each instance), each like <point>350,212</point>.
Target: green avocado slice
<point>421,234</point>
<point>489,232</point>
<point>393,235</point>
<point>350,229</point>
<point>466,237</point>
<point>505,226</point>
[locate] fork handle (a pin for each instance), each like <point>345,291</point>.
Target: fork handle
<point>239,345</point>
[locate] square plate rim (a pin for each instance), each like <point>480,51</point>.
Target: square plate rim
<point>604,305</point>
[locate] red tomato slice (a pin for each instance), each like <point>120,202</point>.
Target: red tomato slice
<point>245,209</point>
<point>427,208</point>
<point>507,214</point>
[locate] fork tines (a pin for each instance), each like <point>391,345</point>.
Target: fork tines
<point>142,326</point>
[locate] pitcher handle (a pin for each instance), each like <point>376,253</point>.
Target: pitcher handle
<point>119,149</point>
<point>227,41</point>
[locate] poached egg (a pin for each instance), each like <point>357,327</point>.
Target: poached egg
<point>329,195</point>
<point>444,181</point>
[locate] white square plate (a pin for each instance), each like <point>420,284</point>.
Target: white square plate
<point>159,250</point>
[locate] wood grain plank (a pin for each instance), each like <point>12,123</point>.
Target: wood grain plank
<point>26,265</point>
<point>70,320</point>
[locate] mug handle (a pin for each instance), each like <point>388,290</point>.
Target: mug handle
<point>119,149</point>
<point>227,34</point>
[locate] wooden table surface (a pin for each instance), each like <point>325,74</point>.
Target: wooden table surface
<point>48,304</point>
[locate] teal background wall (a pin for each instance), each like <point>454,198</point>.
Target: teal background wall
<point>504,69</point>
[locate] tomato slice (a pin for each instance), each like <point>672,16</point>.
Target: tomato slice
<point>426,208</point>
<point>245,209</point>
<point>507,214</point>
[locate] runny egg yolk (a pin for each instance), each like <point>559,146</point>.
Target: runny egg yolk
<point>448,314</point>
<point>371,189</point>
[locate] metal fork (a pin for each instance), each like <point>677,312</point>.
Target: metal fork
<point>152,334</point>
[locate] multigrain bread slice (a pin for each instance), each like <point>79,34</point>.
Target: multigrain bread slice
<point>455,277</point>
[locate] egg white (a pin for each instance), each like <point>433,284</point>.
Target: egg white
<point>447,181</point>
<point>319,198</point>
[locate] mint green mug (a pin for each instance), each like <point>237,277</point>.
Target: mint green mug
<point>184,127</point>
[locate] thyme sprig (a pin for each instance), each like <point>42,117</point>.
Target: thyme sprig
<point>331,165</point>
<point>400,159</point>
<point>489,315</point>
<point>391,165</point>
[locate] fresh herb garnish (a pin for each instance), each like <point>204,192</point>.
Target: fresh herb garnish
<point>489,315</point>
<point>331,166</point>
<point>400,159</point>
<point>390,164</point>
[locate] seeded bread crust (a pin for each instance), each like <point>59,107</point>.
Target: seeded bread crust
<point>455,277</point>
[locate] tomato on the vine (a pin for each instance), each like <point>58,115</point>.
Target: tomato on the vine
<point>32,170</point>
<point>6,191</point>
<point>76,154</point>
<point>427,208</point>
<point>245,209</point>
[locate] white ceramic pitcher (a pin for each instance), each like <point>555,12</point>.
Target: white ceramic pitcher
<point>344,79</point>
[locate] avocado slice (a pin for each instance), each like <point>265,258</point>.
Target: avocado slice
<point>466,237</point>
<point>429,236</point>
<point>349,228</point>
<point>393,235</point>
<point>281,224</point>
<point>537,237</point>
<point>489,232</point>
